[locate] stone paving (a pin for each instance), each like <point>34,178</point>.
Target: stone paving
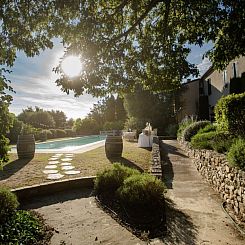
<point>201,219</point>
<point>60,165</point>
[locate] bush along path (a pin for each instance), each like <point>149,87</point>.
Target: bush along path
<point>201,207</point>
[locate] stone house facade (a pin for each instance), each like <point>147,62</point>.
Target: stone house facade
<point>200,96</point>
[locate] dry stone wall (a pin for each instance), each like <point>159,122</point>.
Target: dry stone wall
<point>228,181</point>
<point>156,167</point>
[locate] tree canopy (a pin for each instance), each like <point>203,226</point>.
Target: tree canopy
<point>122,43</point>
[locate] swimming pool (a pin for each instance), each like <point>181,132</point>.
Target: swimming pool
<point>73,143</point>
<point>78,144</point>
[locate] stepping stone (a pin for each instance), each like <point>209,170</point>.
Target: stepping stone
<point>50,171</point>
<point>51,167</point>
<point>67,167</point>
<point>65,164</point>
<point>66,159</point>
<point>53,158</point>
<point>53,162</point>
<point>72,172</point>
<point>58,155</point>
<point>69,155</point>
<point>55,176</point>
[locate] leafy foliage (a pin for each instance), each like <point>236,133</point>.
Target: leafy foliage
<point>146,106</point>
<point>4,148</point>
<point>86,126</point>
<point>38,118</point>
<point>236,154</point>
<point>207,129</point>
<point>108,181</point>
<point>203,140</point>
<point>123,43</point>
<point>143,192</point>
<point>222,142</point>
<point>15,130</point>
<point>21,228</point>
<point>193,128</point>
<point>6,118</point>
<point>183,125</point>
<point>8,205</point>
<point>114,125</point>
<point>172,130</point>
<point>230,114</point>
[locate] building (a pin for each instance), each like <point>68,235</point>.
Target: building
<point>200,96</point>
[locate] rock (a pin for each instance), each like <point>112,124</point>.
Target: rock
<point>236,209</point>
<point>227,169</point>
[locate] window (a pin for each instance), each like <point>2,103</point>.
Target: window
<point>209,86</point>
<point>235,69</point>
<point>225,76</point>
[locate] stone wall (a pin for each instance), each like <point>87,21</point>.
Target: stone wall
<point>156,167</point>
<point>228,181</point>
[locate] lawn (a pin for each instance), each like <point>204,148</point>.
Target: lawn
<point>18,173</point>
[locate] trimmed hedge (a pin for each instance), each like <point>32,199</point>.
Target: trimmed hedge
<point>193,128</point>
<point>230,114</point>
<point>236,154</point>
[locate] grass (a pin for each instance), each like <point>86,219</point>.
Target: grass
<point>18,173</point>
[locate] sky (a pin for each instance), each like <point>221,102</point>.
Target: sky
<point>34,83</point>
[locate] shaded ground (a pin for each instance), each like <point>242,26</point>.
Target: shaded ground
<point>77,220</point>
<point>199,206</point>
<point>19,173</point>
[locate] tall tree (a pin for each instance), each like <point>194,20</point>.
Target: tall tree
<point>5,117</point>
<point>59,118</point>
<point>146,106</point>
<point>123,43</point>
<point>120,111</point>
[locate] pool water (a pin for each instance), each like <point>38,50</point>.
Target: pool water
<point>70,143</point>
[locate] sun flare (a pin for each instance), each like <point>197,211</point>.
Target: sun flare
<point>71,66</point>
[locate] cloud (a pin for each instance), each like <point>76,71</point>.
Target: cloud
<point>204,66</point>
<point>33,81</point>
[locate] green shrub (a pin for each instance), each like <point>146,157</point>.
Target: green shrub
<point>230,114</point>
<point>207,129</point>
<point>108,181</point>
<point>8,204</point>
<point>53,131</point>
<point>49,134</point>
<point>43,135</point>
<point>172,129</point>
<point>21,228</point>
<point>222,142</point>
<point>70,133</point>
<point>193,128</point>
<point>185,123</point>
<point>203,140</point>
<point>4,148</point>
<point>236,154</point>
<point>143,194</point>
<point>60,133</point>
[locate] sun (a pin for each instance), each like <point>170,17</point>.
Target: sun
<point>71,66</point>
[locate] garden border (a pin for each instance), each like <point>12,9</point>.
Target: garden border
<point>26,193</point>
